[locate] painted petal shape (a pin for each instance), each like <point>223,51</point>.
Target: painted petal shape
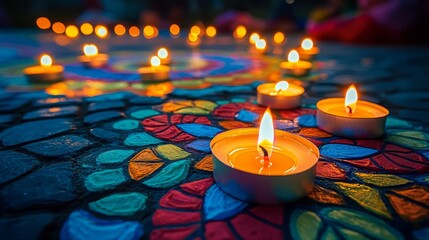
<point>345,151</point>
<point>81,225</point>
<point>218,205</point>
<point>199,130</point>
<point>171,175</point>
<point>300,220</point>
<point>120,204</point>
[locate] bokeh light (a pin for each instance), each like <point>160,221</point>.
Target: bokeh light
<point>253,38</point>
<point>195,30</point>
<point>134,31</point>
<point>72,31</point>
<point>240,31</point>
<point>119,29</point>
<point>148,31</point>
<point>279,37</point>
<point>162,53</point>
<point>43,23</point>
<point>174,29</point>
<point>58,28</point>
<point>86,28</point>
<point>45,60</point>
<point>211,31</point>
<point>101,31</point>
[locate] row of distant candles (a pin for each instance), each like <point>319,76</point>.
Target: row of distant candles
<point>280,160</point>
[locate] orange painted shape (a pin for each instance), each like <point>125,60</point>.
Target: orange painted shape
<point>145,155</point>
<point>314,132</point>
<point>324,195</point>
<point>416,193</point>
<point>205,164</point>
<point>408,210</point>
<point>140,170</point>
<point>234,124</point>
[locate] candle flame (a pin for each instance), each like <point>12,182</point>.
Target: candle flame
<point>90,50</point>
<point>260,44</point>
<point>281,86</point>
<point>162,53</point>
<point>45,60</point>
<point>266,134</point>
<point>307,44</point>
<point>101,31</point>
<point>253,38</point>
<point>351,100</point>
<point>155,61</point>
<point>293,56</point>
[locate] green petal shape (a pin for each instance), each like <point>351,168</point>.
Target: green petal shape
<point>171,152</point>
<point>120,204</point>
<point>300,222</point>
<point>171,175</point>
<point>382,180</point>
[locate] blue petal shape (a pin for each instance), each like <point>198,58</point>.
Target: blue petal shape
<point>199,130</point>
<point>345,151</point>
<point>82,225</point>
<point>247,116</point>
<point>200,145</point>
<point>308,120</point>
<point>218,205</point>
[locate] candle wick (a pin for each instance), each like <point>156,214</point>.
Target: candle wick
<point>266,157</point>
<point>278,92</point>
<point>349,110</point>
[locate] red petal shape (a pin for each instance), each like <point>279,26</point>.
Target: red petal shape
<point>228,111</point>
<point>330,170</point>
<point>173,233</point>
<point>163,217</point>
<point>218,231</point>
<point>272,214</point>
<point>250,228</point>
<point>292,114</point>
<point>163,126</point>
<point>197,187</point>
<point>177,199</point>
<point>364,163</point>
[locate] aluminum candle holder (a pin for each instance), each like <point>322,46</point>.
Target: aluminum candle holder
<point>296,182</point>
<point>279,99</point>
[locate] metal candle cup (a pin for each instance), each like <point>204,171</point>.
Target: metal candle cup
<point>297,69</point>
<point>156,72</point>
<point>368,121</point>
<point>292,185</point>
<point>279,99</point>
<point>45,72</point>
<point>97,61</point>
<point>309,54</point>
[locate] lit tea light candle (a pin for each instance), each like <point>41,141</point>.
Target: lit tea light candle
<point>261,45</point>
<point>164,56</point>
<point>155,72</point>
<point>294,66</point>
<point>93,59</point>
<point>45,72</point>
<point>264,165</point>
<point>281,95</point>
<point>350,117</point>
<point>307,50</point>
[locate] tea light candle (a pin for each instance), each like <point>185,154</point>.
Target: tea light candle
<point>294,66</point>
<point>281,95</point>
<point>46,72</point>
<point>264,166</point>
<point>93,59</point>
<point>164,56</point>
<point>261,46</point>
<point>350,117</point>
<point>155,72</point>
<point>308,51</point>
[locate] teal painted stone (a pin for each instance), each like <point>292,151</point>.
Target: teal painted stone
<point>120,204</point>
<point>145,113</point>
<point>392,122</point>
<point>126,124</point>
<point>218,205</point>
<point>171,175</point>
<point>113,156</point>
<point>98,106</point>
<point>344,151</point>
<point>141,139</point>
<point>34,130</point>
<point>81,225</point>
<point>51,112</point>
<point>103,180</point>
